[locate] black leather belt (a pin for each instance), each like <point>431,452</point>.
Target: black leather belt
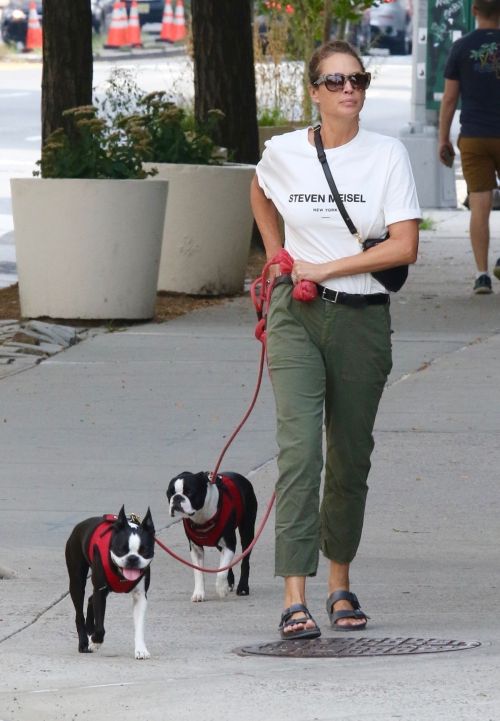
<point>354,300</point>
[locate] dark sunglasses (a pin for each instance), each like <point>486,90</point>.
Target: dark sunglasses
<point>337,81</point>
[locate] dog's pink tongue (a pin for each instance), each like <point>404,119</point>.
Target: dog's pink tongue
<point>131,574</point>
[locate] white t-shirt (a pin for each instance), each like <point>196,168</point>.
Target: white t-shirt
<point>373,175</point>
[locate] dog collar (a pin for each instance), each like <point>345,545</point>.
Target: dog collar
<point>229,508</point>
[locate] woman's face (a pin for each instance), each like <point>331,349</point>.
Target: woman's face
<point>346,102</point>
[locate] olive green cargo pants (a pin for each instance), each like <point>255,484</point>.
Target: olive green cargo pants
<point>328,363</point>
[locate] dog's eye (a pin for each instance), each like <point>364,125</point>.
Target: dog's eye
<point>122,549</point>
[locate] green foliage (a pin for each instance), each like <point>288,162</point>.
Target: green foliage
<point>272,117</point>
<point>113,138</point>
<point>87,147</point>
<point>274,7</point>
<point>351,10</point>
<point>427,224</point>
<point>173,136</point>
<point>121,97</point>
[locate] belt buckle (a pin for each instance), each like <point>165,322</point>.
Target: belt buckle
<point>330,300</point>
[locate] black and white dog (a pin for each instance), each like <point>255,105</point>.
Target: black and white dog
<point>212,512</point>
<point>118,551</point>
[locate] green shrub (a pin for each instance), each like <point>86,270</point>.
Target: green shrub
<point>173,136</point>
<point>90,145</point>
<point>87,147</point>
<point>272,118</point>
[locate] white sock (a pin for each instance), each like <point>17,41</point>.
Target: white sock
<point>482,272</point>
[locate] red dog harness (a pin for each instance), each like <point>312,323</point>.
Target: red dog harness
<point>230,503</point>
<point>101,540</point>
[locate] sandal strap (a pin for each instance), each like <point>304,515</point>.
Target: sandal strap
<point>357,613</point>
<point>342,595</point>
<point>293,621</point>
<point>286,616</point>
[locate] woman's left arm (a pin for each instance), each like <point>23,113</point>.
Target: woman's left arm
<point>399,249</point>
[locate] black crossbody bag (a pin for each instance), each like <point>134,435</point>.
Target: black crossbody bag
<point>392,279</point>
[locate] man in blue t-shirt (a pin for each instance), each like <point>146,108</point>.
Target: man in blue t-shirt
<point>472,73</point>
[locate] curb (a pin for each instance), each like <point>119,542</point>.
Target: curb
<point>106,55</point>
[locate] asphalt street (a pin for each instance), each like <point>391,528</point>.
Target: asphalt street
<point>112,419</point>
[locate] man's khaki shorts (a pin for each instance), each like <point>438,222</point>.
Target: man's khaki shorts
<point>480,163</point>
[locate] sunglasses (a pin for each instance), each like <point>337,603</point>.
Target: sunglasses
<point>337,81</point>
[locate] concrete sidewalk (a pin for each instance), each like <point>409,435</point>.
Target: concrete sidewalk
<point>111,420</point>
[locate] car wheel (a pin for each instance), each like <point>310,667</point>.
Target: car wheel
<point>399,47</point>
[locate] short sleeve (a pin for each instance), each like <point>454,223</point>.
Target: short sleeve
<point>265,170</point>
<point>451,68</point>
<point>401,201</point>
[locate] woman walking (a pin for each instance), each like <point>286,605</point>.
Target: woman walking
<point>329,358</point>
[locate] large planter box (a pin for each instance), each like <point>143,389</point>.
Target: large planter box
<point>88,249</point>
<point>208,228</point>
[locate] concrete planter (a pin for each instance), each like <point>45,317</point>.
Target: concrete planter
<point>208,228</point>
<point>88,249</point>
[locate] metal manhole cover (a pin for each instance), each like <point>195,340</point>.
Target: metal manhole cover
<point>341,647</point>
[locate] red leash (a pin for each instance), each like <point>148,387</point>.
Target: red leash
<point>260,292</point>
<point>240,425</point>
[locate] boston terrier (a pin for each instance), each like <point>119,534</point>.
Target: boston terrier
<point>118,551</point>
<point>211,514</point>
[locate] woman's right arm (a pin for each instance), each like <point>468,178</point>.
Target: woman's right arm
<point>266,217</point>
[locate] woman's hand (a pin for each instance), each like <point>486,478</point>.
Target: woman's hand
<point>273,272</point>
<point>302,270</point>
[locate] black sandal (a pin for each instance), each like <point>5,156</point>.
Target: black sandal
<point>334,616</point>
<point>287,621</point>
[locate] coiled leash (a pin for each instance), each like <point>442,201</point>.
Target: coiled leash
<point>260,292</point>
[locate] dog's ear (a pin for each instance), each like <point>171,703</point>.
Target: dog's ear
<point>147,522</point>
<point>122,518</point>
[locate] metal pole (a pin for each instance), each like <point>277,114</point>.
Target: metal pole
<point>435,182</point>
<point>418,87</point>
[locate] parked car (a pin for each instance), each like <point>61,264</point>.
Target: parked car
<point>149,12</point>
<point>391,26</point>
<point>14,22</point>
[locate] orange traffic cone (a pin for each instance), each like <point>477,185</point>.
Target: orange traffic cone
<point>34,31</point>
<point>167,24</point>
<point>179,21</point>
<point>134,27</point>
<point>118,29</point>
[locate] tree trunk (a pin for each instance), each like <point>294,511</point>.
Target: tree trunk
<point>224,75</point>
<point>67,60</point>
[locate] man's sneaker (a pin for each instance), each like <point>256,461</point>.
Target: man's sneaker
<point>496,269</point>
<point>482,286</point>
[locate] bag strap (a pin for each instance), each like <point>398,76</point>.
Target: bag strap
<point>328,174</point>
